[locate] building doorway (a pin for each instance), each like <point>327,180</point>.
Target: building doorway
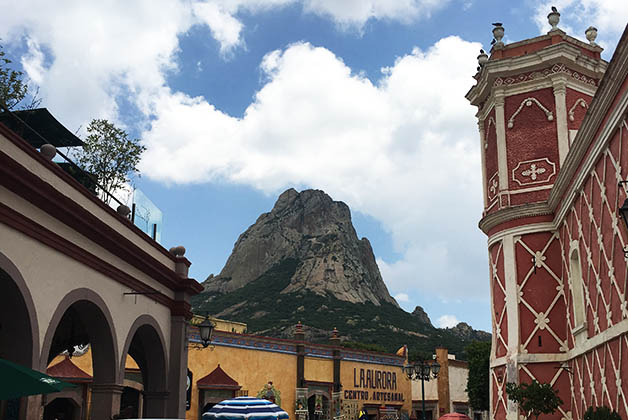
<point>318,407</point>
<point>145,364</point>
<point>61,409</point>
<point>428,414</point>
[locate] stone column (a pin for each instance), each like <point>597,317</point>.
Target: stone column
<point>500,129</point>
<point>155,403</point>
<point>105,401</point>
<point>483,155</point>
<point>299,336</point>
<point>562,129</point>
<point>177,367</point>
<point>32,407</point>
<point>512,310</point>
<point>335,340</point>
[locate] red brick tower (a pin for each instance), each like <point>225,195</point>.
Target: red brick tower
<point>531,96</point>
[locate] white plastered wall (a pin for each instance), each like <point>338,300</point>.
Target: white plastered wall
<point>50,276</point>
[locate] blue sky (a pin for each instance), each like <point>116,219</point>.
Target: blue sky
<point>238,100</point>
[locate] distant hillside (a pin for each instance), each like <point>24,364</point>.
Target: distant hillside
<point>304,262</point>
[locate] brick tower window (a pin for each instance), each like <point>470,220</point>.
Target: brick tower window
<point>577,292</point>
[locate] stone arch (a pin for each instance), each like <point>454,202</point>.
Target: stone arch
<point>84,316</point>
<point>19,329</point>
<point>16,293</point>
<point>146,345</point>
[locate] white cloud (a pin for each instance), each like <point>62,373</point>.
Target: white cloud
<point>357,12</point>
<point>33,62</point>
<point>404,151</point>
<point>447,321</point>
<point>225,28</point>
<point>402,297</point>
<point>96,51</point>
<point>608,16</point>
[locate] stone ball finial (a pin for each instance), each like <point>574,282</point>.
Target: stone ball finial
<point>123,210</point>
<point>498,34</point>
<point>48,151</point>
<point>553,18</point>
<point>591,34</point>
<point>482,58</point>
<point>177,251</point>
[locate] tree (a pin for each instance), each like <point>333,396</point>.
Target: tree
<point>534,399</point>
<point>110,155</point>
<point>12,89</point>
<point>601,413</point>
<point>478,355</point>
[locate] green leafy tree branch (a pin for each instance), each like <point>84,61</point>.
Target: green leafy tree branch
<point>478,356</point>
<point>13,90</point>
<point>534,399</point>
<point>110,155</point>
<point>601,413</point>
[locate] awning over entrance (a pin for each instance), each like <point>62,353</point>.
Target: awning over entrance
<point>218,379</point>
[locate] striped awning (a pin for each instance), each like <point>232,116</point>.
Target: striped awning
<point>246,408</point>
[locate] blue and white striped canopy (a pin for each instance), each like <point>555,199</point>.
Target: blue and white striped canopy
<point>245,408</point>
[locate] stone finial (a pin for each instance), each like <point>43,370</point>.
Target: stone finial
<point>299,333</point>
<point>334,335</point>
<point>482,58</point>
<point>177,251</point>
<point>591,34</point>
<point>498,34</point>
<point>48,151</point>
<point>553,18</point>
<point>123,210</point>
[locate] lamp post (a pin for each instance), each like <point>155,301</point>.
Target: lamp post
<point>424,371</point>
<point>206,328</point>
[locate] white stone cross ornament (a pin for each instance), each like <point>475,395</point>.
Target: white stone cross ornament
<point>533,172</point>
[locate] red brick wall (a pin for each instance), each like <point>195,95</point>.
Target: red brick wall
<point>530,138</point>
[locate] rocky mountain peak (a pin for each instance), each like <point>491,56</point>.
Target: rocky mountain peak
<point>422,316</point>
<point>316,231</point>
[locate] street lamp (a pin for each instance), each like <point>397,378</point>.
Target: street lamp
<point>206,328</point>
<point>424,371</point>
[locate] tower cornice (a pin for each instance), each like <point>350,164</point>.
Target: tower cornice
<point>493,220</point>
<point>586,140</point>
<point>562,53</point>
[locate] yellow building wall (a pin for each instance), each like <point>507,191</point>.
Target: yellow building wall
<point>351,383</point>
<point>321,370</point>
<point>221,324</point>
<point>252,369</point>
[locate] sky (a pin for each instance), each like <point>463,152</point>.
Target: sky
<point>239,100</point>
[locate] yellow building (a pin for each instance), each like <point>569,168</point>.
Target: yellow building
<point>310,381</point>
<point>221,324</point>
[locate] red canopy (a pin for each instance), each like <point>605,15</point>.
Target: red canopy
<point>454,416</point>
